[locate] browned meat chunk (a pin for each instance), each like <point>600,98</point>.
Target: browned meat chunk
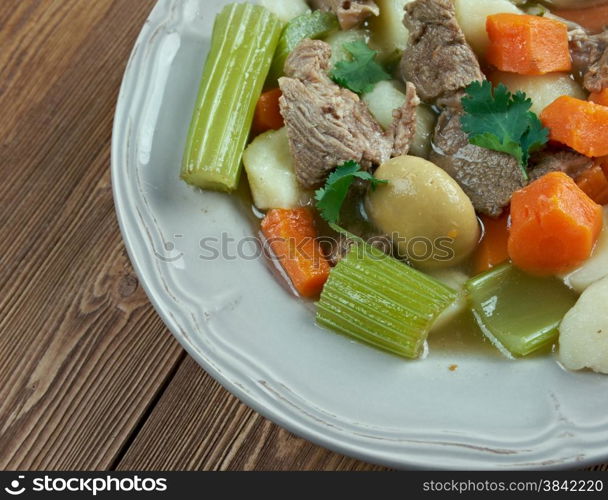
<point>569,162</point>
<point>488,177</point>
<point>350,13</point>
<point>590,58</point>
<point>404,125</point>
<point>438,60</point>
<point>328,125</point>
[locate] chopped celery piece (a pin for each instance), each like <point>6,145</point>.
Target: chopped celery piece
<point>242,46</point>
<point>519,313</point>
<point>379,300</point>
<point>318,24</point>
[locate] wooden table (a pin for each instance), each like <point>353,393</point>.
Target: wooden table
<point>90,378</point>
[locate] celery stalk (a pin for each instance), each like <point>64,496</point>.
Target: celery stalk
<point>314,25</point>
<point>519,313</point>
<point>243,43</point>
<point>379,300</point>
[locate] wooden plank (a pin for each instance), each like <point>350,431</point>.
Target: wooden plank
<point>83,354</point>
<point>197,425</point>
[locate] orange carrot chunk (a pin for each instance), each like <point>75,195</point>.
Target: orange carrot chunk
<point>594,184</point>
<point>528,45</point>
<point>293,239</point>
<point>554,225</point>
<point>582,125</point>
<point>599,97</point>
<point>267,112</point>
<point>493,249</point>
<point>592,18</point>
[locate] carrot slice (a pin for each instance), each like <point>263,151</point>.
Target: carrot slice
<point>554,225</point>
<point>592,18</point>
<point>528,45</point>
<point>293,239</point>
<point>594,183</point>
<point>493,249</point>
<point>582,125</point>
<point>268,113</point>
<point>599,97</point>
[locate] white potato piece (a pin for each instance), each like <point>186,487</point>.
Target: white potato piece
<point>455,279</point>
<point>583,334</point>
<point>388,96</point>
<point>269,166</point>
<point>430,219</point>
<point>286,10</point>
<point>389,35</point>
<point>542,89</point>
<point>596,267</point>
<point>337,39</point>
<point>383,100</point>
<point>472,15</point>
<point>425,126</point>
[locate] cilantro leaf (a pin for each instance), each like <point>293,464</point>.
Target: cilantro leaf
<point>332,196</point>
<point>363,72</point>
<point>498,120</point>
<point>535,137</point>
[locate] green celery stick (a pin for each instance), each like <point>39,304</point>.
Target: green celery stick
<point>243,43</point>
<point>317,24</point>
<point>379,300</point>
<point>519,313</point>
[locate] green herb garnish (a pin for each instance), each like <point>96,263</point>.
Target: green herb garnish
<point>332,196</point>
<point>501,121</point>
<point>362,73</point>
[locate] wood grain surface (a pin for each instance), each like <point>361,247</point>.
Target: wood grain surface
<point>89,376</point>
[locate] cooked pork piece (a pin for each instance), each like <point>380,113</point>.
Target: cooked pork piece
<point>350,13</point>
<point>590,58</point>
<point>438,60</point>
<point>488,177</point>
<point>328,125</point>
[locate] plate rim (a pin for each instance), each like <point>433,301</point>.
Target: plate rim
<point>133,237</point>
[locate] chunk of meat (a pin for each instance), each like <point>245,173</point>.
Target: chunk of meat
<point>403,129</point>
<point>488,177</point>
<point>328,125</point>
<point>569,162</point>
<point>590,58</point>
<point>350,13</point>
<point>438,59</point>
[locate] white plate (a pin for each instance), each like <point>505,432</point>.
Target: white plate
<point>261,343</point>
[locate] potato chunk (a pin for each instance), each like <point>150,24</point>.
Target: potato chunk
<point>286,10</point>
<point>594,269</point>
<point>472,15</point>
<point>542,89</point>
<point>270,172</point>
<point>583,339</point>
<point>424,211</point>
